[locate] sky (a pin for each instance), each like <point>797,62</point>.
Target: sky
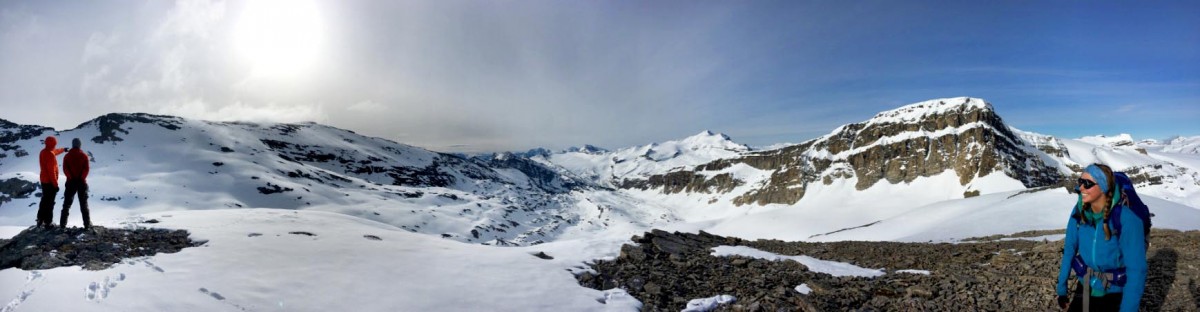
<point>484,76</point>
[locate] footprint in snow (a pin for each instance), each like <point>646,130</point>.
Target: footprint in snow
<point>372,237</point>
<point>254,235</point>
<point>152,266</point>
<point>25,292</point>
<point>97,291</point>
<point>302,233</point>
<point>214,294</point>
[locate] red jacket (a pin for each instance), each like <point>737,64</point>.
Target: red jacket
<point>75,166</point>
<point>49,161</point>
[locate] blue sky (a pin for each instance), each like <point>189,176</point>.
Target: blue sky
<point>475,76</point>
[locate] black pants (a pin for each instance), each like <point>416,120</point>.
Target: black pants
<point>74,188</point>
<point>1110,302</point>
<point>45,215</point>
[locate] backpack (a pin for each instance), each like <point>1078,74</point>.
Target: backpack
<point>1126,196</point>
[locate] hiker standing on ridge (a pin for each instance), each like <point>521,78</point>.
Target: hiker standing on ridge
<point>75,166</point>
<point>49,178</point>
<point>1105,245</point>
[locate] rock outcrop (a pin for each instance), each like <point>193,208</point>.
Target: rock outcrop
<point>95,249</point>
<point>11,134</point>
<point>15,188</point>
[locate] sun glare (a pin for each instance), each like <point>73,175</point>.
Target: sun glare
<point>279,37</point>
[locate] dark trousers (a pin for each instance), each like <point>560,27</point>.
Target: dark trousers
<point>1110,302</point>
<point>74,188</point>
<point>45,215</point>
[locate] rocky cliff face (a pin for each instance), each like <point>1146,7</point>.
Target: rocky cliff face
<point>919,140</point>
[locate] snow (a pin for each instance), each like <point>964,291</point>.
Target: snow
<point>1043,238</point>
<point>708,304</point>
<point>336,269</point>
<point>828,208</point>
<point>1120,139</point>
<point>607,168</point>
<point>803,289</point>
<point>1184,145</point>
<point>921,272</point>
<point>815,265</point>
<point>917,111</point>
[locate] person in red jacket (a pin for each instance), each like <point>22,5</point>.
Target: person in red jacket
<point>49,177</point>
<point>75,166</point>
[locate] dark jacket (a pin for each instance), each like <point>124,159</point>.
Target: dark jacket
<point>75,166</point>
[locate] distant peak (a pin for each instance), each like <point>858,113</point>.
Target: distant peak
<point>586,149</point>
<point>920,110</point>
<point>709,139</point>
<point>706,134</point>
<point>1123,139</point>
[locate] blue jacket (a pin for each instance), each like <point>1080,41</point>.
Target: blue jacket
<point>1126,249</point>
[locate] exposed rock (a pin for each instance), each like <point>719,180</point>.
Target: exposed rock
<point>685,181</point>
<point>540,175</point>
<point>113,123</point>
<point>11,134</point>
<point>15,188</point>
<point>987,275</point>
<point>95,249</point>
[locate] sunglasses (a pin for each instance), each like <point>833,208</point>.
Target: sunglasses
<point>1086,184</point>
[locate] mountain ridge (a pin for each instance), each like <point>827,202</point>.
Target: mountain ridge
<point>943,149</point>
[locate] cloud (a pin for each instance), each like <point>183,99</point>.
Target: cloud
<point>197,108</point>
<point>179,63</point>
<point>192,18</point>
<point>367,107</point>
<point>19,25</point>
<point>98,46</point>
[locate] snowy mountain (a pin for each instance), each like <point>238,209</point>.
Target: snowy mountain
<point>376,212</point>
<point>963,137</point>
<point>613,168</point>
<point>144,163</point>
<point>1186,145</point>
<point>891,164</point>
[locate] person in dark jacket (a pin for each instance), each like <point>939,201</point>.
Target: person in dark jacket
<point>75,166</point>
<point>49,177</point>
<point>1102,250</point>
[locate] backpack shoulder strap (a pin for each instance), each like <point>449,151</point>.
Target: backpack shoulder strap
<point>1114,219</point>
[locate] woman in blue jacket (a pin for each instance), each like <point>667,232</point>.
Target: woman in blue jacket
<point>1114,263</point>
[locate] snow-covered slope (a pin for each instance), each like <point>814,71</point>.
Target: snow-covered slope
<point>281,260</point>
<point>1007,212</point>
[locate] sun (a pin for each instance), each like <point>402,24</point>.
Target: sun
<point>279,37</point>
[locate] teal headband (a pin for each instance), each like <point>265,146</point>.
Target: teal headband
<point>1098,176</point>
